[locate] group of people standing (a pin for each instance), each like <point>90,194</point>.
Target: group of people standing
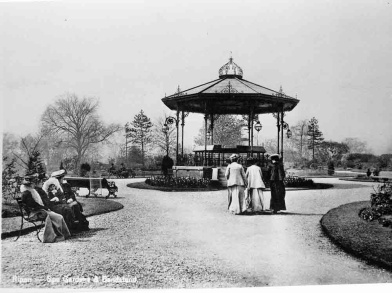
<point>55,200</point>
<point>245,189</point>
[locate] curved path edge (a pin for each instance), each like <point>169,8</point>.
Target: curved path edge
<point>347,230</point>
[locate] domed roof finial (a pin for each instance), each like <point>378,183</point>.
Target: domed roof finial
<point>230,69</point>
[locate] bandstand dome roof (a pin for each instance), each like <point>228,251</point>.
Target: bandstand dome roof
<point>230,94</point>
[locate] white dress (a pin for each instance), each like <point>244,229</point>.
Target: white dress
<point>255,188</point>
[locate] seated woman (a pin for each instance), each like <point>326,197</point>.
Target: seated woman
<point>55,227</point>
<point>65,195</point>
<point>56,205</point>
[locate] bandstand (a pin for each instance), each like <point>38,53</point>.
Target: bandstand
<point>229,94</point>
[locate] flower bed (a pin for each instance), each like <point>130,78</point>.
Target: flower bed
<point>294,181</point>
<point>381,206</point>
<point>178,182</point>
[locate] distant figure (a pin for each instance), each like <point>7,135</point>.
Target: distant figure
<point>276,177</point>
<point>376,172</point>
<point>368,173</point>
<point>167,163</point>
<point>112,170</point>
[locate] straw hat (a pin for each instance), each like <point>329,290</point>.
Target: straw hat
<point>59,173</point>
<point>233,156</point>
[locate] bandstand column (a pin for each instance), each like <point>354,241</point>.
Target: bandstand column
<point>182,132</point>
<point>281,134</point>
<point>212,129</point>
<point>251,131</point>
<point>249,118</point>
<point>278,126</point>
<point>205,138</point>
<point>177,116</point>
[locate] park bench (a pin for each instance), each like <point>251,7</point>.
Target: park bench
<point>33,219</point>
<point>382,178</point>
<point>92,183</point>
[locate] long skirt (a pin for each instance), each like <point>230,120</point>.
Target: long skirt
<point>278,193</point>
<point>256,199</point>
<point>66,211</point>
<point>55,229</point>
<point>237,201</point>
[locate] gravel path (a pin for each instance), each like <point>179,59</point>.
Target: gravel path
<point>188,240</point>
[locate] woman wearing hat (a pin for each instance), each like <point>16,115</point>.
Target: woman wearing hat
<point>55,227</point>
<point>255,186</point>
<point>55,205</point>
<point>65,195</point>
<point>278,191</point>
<point>236,182</point>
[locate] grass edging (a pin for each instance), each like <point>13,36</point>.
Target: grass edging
<point>143,185</point>
<point>369,241</point>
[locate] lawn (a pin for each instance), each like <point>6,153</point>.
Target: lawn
<point>368,240</point>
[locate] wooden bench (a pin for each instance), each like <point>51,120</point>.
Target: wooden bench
<point>34,219</point>
<point>92,183</point>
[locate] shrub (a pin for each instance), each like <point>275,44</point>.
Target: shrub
<point>84,168</point>
<point>331,168</point>
<point>381,206</point>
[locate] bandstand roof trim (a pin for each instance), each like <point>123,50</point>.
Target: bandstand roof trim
<point>230,94</point>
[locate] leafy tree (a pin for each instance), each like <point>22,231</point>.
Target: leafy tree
<point>35,164</point>
<point>8,168</point>
<point>315,136</point>
<point>227,131</point>
<point>385,160</point>
<point>356,145</point>
<point>140,133</point>
<point>77,124</point>
<point>331,151</point>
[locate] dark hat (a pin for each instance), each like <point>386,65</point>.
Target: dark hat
<point>29,178</point>
<point>275,157</point>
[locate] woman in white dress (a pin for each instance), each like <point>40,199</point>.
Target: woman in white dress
<point>256,185</point>
<point>236,182</point>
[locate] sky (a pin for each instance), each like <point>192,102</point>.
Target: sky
<point>335,56</point>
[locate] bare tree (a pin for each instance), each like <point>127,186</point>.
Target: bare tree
<point>76,121</point>
<point>299,132</point>
<point>28,146</point>
<point>164,141</point>
<point>227,131</point>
